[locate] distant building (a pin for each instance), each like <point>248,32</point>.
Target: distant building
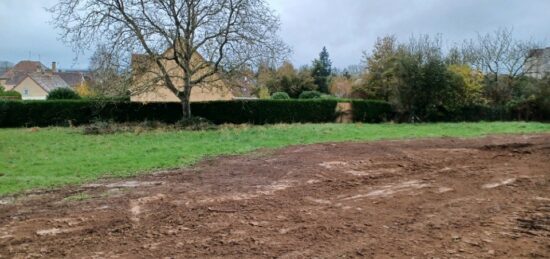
<point>538,63</point>
<point>17,73</point>
<point>142,67</point>
<point>34,80</point>
<point>37,86</point>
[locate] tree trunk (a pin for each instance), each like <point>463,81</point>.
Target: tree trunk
<point>185,98</point>
<point>186,108</point>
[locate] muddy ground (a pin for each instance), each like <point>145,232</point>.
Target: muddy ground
<point>439,198</point>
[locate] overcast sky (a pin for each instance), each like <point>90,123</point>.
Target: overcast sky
<point>345,27</point>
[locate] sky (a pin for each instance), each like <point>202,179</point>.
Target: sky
<point>345,27</point>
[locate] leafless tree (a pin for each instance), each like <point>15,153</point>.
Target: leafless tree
<point>498,53</point>
<point>503,59</point>
<point>203,37</point>
<point>110,76</point>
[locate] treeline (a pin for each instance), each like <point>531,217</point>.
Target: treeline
<point>423,79</point>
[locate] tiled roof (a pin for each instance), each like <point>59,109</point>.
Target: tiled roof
<point>21,70</point>
<point>72,78</point>
<point>49,81</point>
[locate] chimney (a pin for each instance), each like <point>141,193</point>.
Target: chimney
<point>54,67</point>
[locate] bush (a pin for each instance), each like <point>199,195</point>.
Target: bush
<point>311,95</point>
<point>98,128</point>
<point>196,124</point>
<point>10,95</point>
<point>280,96</point>
<point>371,111</point>
<point>63,94</point>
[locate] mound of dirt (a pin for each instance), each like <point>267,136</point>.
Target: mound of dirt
<point>436,198</point>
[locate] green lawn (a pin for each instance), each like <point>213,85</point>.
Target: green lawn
<point>57,156</point>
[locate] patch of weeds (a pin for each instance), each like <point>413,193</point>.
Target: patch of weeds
<point>196,124</point>
<point>105,128</point>
<point>78,197</point>
<point>98,128</point>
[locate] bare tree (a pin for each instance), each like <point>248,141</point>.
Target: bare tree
<point>498,53</point>
<point>201,37</point>
<point>503,59</point>
<point>110,76</point>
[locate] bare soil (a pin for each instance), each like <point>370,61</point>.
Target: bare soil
<point>436,198</point>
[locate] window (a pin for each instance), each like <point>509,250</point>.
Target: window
<point>26,92</point>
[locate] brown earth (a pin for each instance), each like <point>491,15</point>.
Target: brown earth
<point>437,198</point>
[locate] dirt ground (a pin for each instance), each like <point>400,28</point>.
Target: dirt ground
<point>438,198</point>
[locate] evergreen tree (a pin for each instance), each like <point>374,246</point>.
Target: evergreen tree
<point>322,69</point>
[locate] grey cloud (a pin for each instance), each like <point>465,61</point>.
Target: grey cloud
<point>345,27</point>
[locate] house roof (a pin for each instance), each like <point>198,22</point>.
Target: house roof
<point>538,52</point>
<point>72,78</point>
<point>49,81</point>
<point>20,71</point>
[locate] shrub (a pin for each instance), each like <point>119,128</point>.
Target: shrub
<point>10,95</point>
<point>280,96</point>
<point>371,111</point>
<point>196,124</point>
<point>63,94</point>
<point>311,95</point>
<point>98,128</point>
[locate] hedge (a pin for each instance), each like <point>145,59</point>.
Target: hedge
<point>63,112</point>
<point>371,111</point>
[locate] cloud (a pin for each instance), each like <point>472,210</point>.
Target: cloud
<point>345,27</point>
<point>348,27</point>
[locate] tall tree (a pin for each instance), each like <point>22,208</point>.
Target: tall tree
<point>204,37</point>
<point>322,70</point>
<point>380,80</point>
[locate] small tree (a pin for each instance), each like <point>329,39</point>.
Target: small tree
<point>322,70</point>
<point>63,94</point>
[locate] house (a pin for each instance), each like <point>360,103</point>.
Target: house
<point>34,80</point>
<point>538,63</point>
<point>144,71</point>
<point>37,86</point>
<point>17,73</point>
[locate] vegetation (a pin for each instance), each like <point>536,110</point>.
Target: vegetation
<point>42,158</point>
<point>289,80</point>
<point>311,95</point>
<point>63,94</point>
<point>280,96</point>
<point>322,70</point>
<point>10,95</point>
<point>371,111</point>
<point>71,112</point>
<point>225,35</point>
<point>424,83</point>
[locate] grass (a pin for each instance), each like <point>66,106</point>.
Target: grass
<point>52,157</point>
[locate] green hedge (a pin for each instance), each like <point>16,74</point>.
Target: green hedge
<point>59,113</point>
<point>76,112</point>
<point>371,111</point>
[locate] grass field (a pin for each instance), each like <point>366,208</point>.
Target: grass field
<point>53,157</point>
